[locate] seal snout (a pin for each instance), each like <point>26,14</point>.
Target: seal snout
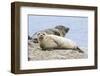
<point>67,29</point>
<point>41,37</point>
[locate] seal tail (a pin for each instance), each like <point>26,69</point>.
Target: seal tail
<point>79,50</point>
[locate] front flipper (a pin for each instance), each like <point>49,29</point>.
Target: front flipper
<point>58,45</point>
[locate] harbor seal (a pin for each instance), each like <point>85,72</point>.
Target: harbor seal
<point>59,30</point>
<point>56,42</point>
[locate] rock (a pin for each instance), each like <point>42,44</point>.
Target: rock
<point>36,53</point>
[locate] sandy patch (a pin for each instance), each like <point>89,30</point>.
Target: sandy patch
<point>36,53</point>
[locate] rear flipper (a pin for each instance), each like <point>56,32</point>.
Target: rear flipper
<point>79,50</point>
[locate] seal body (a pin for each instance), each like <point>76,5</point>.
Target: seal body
<point>56,42</point>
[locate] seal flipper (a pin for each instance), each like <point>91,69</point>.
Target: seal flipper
<point>58,45</point>
<point>79,50</point>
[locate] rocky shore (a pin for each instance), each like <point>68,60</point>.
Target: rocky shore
<point>36,53</point>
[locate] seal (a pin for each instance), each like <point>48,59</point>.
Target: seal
<point>59,30</point>
<point>56,42</point>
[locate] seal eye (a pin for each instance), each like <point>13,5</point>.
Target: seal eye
<point>43,34</point>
